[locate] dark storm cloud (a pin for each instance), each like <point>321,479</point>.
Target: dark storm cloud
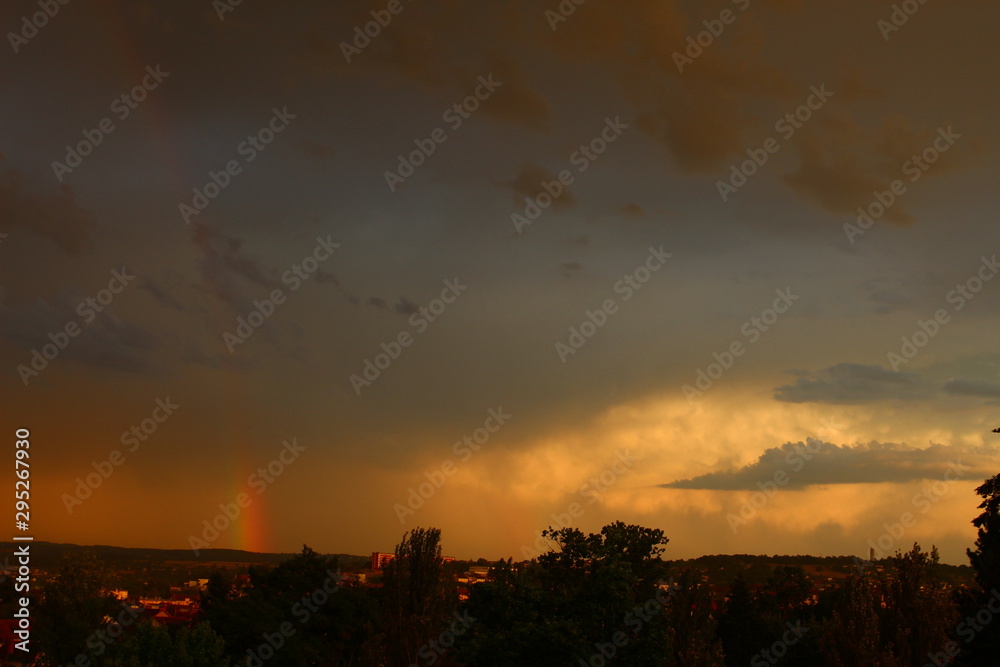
<point>973,388</point>
<point>50,212</point>
<point>527,183</point>
<point>815,462</point>
<point>161,294</point>
<point>405,307</point>
<point>703,117</point>
<point>104,339</point>
<point>843,164</point>
<point>515,101</point>
<point>608,58</point>
<point>897,292</point>
<point>854,384</point>
<point>322,276</point>
<point>444,46</point>
<point>117,344</point>
<point>225,269</point>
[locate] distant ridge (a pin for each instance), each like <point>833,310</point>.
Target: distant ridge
<point>47,555</point>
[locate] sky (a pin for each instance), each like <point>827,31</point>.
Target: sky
<point>327,272</point>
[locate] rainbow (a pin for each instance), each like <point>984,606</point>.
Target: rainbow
<point>248,531</point>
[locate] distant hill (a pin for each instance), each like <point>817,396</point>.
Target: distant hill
<point>48,555</point>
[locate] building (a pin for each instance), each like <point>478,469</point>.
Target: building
<point>379,559</point>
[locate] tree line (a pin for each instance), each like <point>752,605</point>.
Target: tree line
<point>594,600</point>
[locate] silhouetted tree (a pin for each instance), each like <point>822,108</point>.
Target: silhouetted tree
<point>894,618</point>
<point>573,602</point>
<point>919,613</point>
<point>785,602</point>
<point>331,621</point>
<point>982,641</point>
<point>74,606</point>
<point>852,636</point>
<point>742,629</point>
<point>985,558</point>
<point>692,625</point>
<point>415,602</point>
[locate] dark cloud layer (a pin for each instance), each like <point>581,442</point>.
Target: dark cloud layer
<point>104,339</point>
<point>859,384</point>
<point>978,389</point>
<point>498,342</point>
<point>853,384</point>
<point>815,462</point>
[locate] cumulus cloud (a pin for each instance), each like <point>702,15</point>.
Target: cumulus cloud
<point>815,462</point>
